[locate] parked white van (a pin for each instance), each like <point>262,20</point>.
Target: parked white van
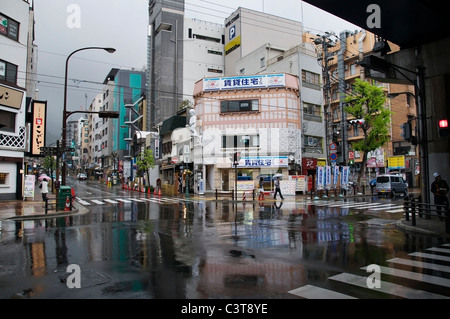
<point>391,185</point>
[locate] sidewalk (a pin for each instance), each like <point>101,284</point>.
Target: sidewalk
<point>32,208</point>
<point>35,208</point>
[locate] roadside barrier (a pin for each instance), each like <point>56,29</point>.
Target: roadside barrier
<point>413,208</point>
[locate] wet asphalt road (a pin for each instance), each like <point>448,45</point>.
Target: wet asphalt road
<point>191,248</point>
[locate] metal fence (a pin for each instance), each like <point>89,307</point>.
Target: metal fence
<point>414,208</point>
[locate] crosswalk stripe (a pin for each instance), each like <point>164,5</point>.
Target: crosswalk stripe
<point>430,256</point>
<point>124,200</point>
<point>377,206</point>
<point>395,210</point>
<point>313,292</point>
<point>97,202</point>
<point>83,202</point>
<point>419,264</point>
<point>439,250</point>
<point>386,287</point>
<point>111,201</point>
<point>414,276</point>
<point>135,199</point>
<point>383,208</point>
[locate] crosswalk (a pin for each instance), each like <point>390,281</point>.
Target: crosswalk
<point>437,261</point>
<point>370,206</point>
<point>161,200</point>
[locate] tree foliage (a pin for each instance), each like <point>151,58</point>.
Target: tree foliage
<point>367,102</point>
<point>145,161</point>
<point>49,164</point>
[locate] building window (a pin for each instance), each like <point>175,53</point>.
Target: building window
<point>215,52</point>
<point>239,106</point>
<point>8,72</point>
<point>313,141</point>
<point>7,121</point>
<point>262,62</point>
<point>214,70</point>
<point>4,179</point>
<point>9,27</point>
<point>240,141</point>
<point>312,112</point>
<point>311,80</point>
<point>353,69</point>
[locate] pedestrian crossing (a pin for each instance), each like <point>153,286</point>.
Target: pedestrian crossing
<point>162,200</point>
<point>369,206</point>
<point>418,269</point>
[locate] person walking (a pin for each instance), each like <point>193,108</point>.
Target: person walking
<point>439,188</point>
<point>44,189</point>
<point>261,188</point>
<point>277,189</point>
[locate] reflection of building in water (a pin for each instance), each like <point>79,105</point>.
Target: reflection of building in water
<point>38,264</point>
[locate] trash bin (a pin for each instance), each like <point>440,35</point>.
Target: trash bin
<point>64,191</point>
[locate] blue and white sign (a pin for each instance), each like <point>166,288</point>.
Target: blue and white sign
<point>232,32</point>
<point>244,82</point>
<point>264,161</point>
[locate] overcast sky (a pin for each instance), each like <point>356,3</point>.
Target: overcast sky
<point>63,26</point>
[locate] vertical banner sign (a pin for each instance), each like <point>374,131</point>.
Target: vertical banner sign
<point>38,127</point>
<point>335,176</point>
<point>328,177</point>
<point>28,190</point>
<point>344,176</point>
<point>320,179</point>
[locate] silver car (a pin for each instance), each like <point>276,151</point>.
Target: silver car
<point>391,184</point>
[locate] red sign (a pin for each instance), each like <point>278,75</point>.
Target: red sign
<point>351,155</point>
<point>309,163</point>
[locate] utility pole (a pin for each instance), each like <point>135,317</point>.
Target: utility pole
<point>324,43</point>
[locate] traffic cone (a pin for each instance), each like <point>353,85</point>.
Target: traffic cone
<point>67,207</point>
<point>243,196</point>
<point>148,191</point>
<point>159,194</point>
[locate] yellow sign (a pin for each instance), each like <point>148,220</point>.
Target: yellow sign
<point>11,97</point>
<point>38,127</point>
<point>396,162</point>
<point>233,44</point>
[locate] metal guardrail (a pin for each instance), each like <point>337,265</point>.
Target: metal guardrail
<point>413,208</point>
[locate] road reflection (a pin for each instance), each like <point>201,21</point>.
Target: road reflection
<point>194,249</point>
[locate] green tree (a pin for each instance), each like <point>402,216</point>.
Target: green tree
<point>49,164</point>
<point>367,102</point>
<point>144,162</point>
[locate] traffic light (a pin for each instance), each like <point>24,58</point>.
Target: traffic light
<point>443,127</point>
<point>357,122</point>
<point>406,131</point>
<point>236,157</point>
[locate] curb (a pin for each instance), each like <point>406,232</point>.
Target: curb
<point>79,209</point>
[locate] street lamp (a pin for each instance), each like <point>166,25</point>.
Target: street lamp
<point>64,135</point>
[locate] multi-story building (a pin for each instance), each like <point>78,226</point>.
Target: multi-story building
<point>180,51</point>
<point>342,69</point>
<point>16,50</point>
<point>258,116</point>
<point>300,60</point>
<point>121,87</point>
<point>95,136</point>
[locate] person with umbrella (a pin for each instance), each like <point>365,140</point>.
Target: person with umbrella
<point>44,186</point>
<point>277,188</point>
